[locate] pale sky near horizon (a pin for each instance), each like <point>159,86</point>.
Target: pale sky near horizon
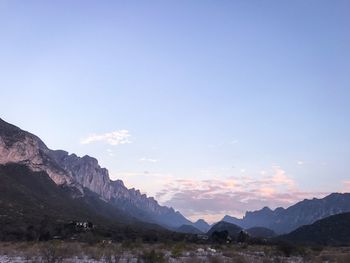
<point>212,107</point>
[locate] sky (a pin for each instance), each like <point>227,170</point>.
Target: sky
<point>212,107</point>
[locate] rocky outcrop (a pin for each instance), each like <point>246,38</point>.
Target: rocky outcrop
<point>18,146</point>
<point>87,172</point>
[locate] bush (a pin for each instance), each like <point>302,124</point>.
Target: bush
<point>317,248</point>
<point>178,249</point>
<point>242,237</point>
<point>50,253</point>
<point>220,236</point>
<point>152,257</point>
<point>286,248</point>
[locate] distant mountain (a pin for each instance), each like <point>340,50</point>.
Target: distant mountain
<point>201,225</point>
<point>233,220</point>
<point>81,175</point>
<point>333,230</point>
<point>260,232</point>
<point>305,212</point>
<point>251,219</point>
<point>233,230</point>
<point>190,229</point>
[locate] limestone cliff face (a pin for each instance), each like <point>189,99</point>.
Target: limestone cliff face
<point>18,146</point>
<point>87,172</point>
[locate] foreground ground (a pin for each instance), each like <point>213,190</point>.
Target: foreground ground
<point>52,252</point>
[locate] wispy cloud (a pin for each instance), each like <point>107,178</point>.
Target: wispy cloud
<point>235,195</point>
<point>234,142</point>
<point>110,152</point>
<point>112,138</point>
<point>150,160</point>
<point>147,181</point>
<point>223,143</point>
<point>346,186</point>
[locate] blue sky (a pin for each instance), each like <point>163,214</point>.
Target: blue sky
<point>251,97</point>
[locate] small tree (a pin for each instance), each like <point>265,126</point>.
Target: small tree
<point>242,237</point>
<point>220,236</point>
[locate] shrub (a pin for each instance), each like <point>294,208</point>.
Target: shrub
<point>178,249</point>
<point>152,257</point>
<point>242,237</point>
<point>317,248</point>
<point>50,253</point>
<point>286,248</point>
<point>220,236</point>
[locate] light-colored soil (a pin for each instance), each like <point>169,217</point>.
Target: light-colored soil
<point>70,252</point>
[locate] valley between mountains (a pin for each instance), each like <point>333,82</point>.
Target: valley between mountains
<point>53,195</point>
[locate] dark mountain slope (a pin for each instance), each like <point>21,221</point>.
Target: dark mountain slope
<point>233,230</point>
<point>202,225</point>
<point>33,206</point>
<point>25,194</point>
<point>260,232</point>
<point>333,230</point>
<point>188,229</point>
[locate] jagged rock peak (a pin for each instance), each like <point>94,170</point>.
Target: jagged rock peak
<point>19,146</point>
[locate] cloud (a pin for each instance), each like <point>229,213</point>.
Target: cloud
<point>110,152</point>
<point>346,187</point>
<point>112,138</point>
<point>234,141</point>
<point>223,143</point>
<point>280,178</point>
<point>144,159</point>
<point>214,198</point>
<point>145,180</point>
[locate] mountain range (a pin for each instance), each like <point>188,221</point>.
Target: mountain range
<point>330,231</point>
<point>233,231</point>
<point>302,213</point>
<point>43,189</point>
<point>82,175</point>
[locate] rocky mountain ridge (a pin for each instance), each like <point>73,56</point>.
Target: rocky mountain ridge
<point>305,212</point>
<point>18,146</point>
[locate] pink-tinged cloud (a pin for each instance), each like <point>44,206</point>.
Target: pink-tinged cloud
<point>212,199</point>
<point>111,138</point>
<point>346,187</point>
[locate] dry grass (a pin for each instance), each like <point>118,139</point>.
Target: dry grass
<point>58,251</point>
